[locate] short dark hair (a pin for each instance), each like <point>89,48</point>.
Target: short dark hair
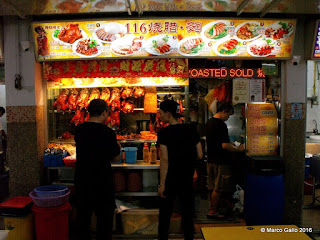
<point>172,107</point>
<point>2,110</point>
<point>97,107</point>
<point>225,106</point>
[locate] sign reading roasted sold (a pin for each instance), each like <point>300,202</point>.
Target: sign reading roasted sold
<point>183,38</point>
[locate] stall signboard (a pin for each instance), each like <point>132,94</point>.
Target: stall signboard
<point>93,6</point>
<point>161,38</point>
<point>262,129</point>
<point>116,72</point>
<point>316,48</point>
<point>248,90</point>
<point>226,73</point>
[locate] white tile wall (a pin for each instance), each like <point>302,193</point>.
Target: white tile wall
<point>313,113</point>
<point>3,104</point>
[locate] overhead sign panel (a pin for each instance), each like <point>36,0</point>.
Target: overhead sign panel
<point>184,38</point>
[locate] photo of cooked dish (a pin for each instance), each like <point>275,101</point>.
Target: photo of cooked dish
<point>278,30</point>
<point>261,47</point>
<point>215,30</point>
<point>87,47</point>
<point>228,47</point>
<point>109,32</point>
<point>161,44</point>
<point>69,6</point>
<point>191,46</point>
<point>216,5</point>
<point>247,31</point>
<point>108,5</point>
<point>68,34</point>
<point>126,46</point>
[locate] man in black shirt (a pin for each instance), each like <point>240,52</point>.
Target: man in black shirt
<point>179,149</point>
<point>219,166</point>
<point>96,147</point>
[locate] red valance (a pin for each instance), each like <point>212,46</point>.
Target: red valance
<point>121,68</point>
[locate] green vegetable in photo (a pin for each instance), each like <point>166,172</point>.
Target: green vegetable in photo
<point>93,44</point>
<point>197,48</point>
<point>56,33</point>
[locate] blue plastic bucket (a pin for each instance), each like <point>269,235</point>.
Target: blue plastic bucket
<point>264,200</point>
<point>50,191</point>
<point>131,154</point>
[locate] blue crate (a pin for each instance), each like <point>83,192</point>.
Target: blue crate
<point>54,160</point>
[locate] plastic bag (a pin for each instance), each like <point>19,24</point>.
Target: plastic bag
<point>239,195</point>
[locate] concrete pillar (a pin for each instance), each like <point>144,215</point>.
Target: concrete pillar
<point>25,108</point>
<point>295,82</point>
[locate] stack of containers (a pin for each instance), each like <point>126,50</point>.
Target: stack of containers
<point>17,216</point>
<point>51,212</point>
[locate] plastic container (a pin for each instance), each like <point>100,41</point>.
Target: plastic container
<point>134,181</point>
<point>52,223</point>
<point>140,221</point>
<point>17,206</point>
<point>49,202</point>
<point>146,153</point>
<point>50,191</point>
<point>131,154</point>
<point>54,160</point>
<point>264,199</point>
<point>20,228</point>
<point>153,154</point>
<point>119,181</point>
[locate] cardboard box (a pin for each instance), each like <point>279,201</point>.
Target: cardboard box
<point>140,221</point>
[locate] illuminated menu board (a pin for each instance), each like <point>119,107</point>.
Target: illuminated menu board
<point>187,38</point>
<point>316,48</point>
<point>262,129</point>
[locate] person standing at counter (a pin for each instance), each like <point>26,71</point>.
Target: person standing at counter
<point>96,147</point>
<point>179,149</point>
<point>219,165</point>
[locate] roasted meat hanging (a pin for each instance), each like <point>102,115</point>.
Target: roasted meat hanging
<point>105,95</point>
<point>78,117</point>
<point>138,92</point>
<point>95,94</point>
<point>61,102</point>
<point>72,100</point>
<point>114,101</point>
<point>82,98</point>
<point>127,107</point>
<point>126,93</point>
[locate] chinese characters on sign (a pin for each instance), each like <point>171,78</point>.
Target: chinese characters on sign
<point>262,129</point>
<point>187,38</point>
<point>316,49</point>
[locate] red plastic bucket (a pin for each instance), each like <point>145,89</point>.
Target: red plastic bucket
<point>52,223</point>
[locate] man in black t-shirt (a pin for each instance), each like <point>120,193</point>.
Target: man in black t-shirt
<point>179,149</point>
<point>96,147</point>
<point>219,166</point>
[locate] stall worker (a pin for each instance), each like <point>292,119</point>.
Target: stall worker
<point>96,147</point>
<point>179,149</point>
<point>219,165</point>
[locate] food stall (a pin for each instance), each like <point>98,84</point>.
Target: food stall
<point>135,64</point>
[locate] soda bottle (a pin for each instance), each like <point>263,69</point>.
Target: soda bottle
<point>146,153</point>
<point>153,154</point>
